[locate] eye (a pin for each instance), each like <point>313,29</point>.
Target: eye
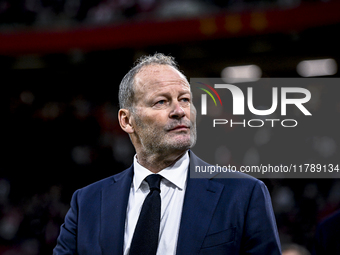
<point>161,102</point>
<point>185,99</point>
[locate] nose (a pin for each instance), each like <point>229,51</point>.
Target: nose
<point>177,112</point>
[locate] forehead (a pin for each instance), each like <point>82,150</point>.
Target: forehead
<point>158,76</point>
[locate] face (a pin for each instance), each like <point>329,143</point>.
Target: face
<point>164,116</point>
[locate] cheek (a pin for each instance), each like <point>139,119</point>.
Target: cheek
<point>151,118</point>
<point>192,112</point>
<point>155,120</point>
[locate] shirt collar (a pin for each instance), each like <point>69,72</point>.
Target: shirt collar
<point>176,174</point>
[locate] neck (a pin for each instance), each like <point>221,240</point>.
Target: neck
<point>157,162</point>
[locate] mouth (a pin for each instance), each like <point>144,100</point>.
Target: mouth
<point>180,128</point>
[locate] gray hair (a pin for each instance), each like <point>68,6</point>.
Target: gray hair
<point>126,88</point>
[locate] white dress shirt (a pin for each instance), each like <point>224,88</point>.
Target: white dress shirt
<point>172,196</point>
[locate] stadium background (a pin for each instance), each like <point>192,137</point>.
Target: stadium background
<point>61,63</point>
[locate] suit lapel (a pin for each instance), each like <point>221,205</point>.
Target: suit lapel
<point>201,198</point>
<point>113,213</point>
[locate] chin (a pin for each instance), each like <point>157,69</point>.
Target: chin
<point>181,145</point>
<point>179,142</point>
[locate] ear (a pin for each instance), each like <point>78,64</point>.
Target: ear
<point>124,117</point>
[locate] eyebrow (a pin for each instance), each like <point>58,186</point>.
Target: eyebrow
<point>183,92</point>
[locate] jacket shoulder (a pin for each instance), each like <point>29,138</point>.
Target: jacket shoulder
<point>99,185</point>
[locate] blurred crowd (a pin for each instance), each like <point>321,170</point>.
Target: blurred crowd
<point>55,148</point>
<point>61,13</point>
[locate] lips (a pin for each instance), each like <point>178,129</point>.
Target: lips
<point>180,128</point>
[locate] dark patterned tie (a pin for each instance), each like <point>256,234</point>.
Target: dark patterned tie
<point>145,237</point>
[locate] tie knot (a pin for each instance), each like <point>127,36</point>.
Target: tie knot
<point>154,181</point>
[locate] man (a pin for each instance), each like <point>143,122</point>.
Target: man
<point>197,216</point>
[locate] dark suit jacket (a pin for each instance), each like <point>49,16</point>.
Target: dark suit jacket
<point>220,216</point>
<point>327,236</point>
